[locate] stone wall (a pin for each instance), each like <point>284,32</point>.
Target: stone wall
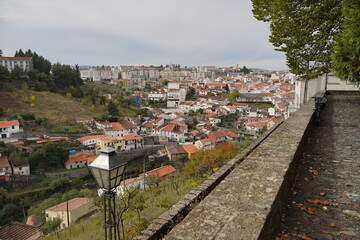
<point>82,172</point>
<point>135,153</point>
<point>245,198</point>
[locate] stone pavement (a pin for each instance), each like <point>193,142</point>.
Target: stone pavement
<point>325,200</point>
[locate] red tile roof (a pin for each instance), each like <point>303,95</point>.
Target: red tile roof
<point>15,58</point>
<point>132,136</point>
<point>209,115</point>
<point>179,123</point>
<point>73,204</point>
<point>4,162</point>
<point>116,126</point>
<point>161,171</point>
<point>168,128</point>
<point>18,231</point>
<point>85,138</point>
<point>193,132</point>
<point>232,134</point>
<point>7,124</point>
<point>190,148</point>
<point>82,157</point>
<point>217,134</point>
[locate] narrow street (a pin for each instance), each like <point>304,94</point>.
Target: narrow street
<point>325,200</point>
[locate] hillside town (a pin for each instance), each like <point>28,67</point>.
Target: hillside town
<point>202,107</point>
<point>189,109</point>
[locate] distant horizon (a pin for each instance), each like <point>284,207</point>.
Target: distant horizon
<point>190,33</point>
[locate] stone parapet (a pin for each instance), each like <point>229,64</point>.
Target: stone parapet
<point>245,198</point>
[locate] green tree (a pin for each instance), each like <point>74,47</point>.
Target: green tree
<point>18,74</point>
<point>1,53</point>
<point>112,110</point>
<point>39,62</point>
<point>234,94</point>
<point>4,74</point>
<point>245,70</point>
<point>64,76</point>
<point>52,225</point>
<point>347,48</point>
<point>304,30</point>
<point>190,93</point>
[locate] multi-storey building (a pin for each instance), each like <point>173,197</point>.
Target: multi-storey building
<point>25,63</point>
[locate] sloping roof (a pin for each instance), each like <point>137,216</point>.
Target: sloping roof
<point>85,138</point>
<point>193,132</point>
<point>7,124</point>
<point>232,134</point>
<point>4,162</point>
<point>179,123</point>
<point>217,134</point>
<point>82,157</point>
<point>168,128</point>
<point>73,204</point>
<point>18,231</point>
<point>190,148</point>
<point>209,115</point>
<point>15,58</point>
<point>161,171</point>
<point>127,125</point>
<point>175,149</point>
<point>115,126</point>
<point>132,136</point>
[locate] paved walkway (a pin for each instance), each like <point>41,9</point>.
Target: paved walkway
<point>325,201</point>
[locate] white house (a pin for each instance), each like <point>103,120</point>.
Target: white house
<point>90,141</point>
<point>133,141</point>
<point>205,144</point>
<point>9,127</point>
<point>175,96</point>
<point>25,63</point>
<point>157,96</point>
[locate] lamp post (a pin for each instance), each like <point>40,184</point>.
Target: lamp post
<point>108,170</point>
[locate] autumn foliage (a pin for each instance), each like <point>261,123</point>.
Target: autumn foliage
<point>206,161</point>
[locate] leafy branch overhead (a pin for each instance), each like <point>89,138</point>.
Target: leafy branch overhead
<point>309,32</point>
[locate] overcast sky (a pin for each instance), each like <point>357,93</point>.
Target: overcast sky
<point>139,32</point>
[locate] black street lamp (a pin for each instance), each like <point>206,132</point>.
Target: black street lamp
<point>108,170</point>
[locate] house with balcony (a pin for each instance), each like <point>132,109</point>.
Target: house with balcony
<point>132,141</point>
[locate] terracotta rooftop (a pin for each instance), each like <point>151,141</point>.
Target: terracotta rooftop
<point>73,204</point>
<point>132,136</point>
<point>85,138</point>
<point>7,124</point>
<point>18,231</point>
<point>82,157</point>
<point>16,58</point>
<point>4,162</point>
<point>190,148</point>
<point>161,171</point>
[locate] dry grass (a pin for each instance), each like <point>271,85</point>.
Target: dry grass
<point>55,107</point>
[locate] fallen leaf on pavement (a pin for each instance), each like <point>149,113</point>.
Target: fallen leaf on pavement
<point>332,224</point>
<point>314,171</point>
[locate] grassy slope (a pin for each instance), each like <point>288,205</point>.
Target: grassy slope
<point>55,107</point>
<point>52,106</point>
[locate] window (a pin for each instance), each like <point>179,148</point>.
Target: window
<point>13,127</point>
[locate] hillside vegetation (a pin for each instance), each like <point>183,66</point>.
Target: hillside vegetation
<point>57,110</point>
